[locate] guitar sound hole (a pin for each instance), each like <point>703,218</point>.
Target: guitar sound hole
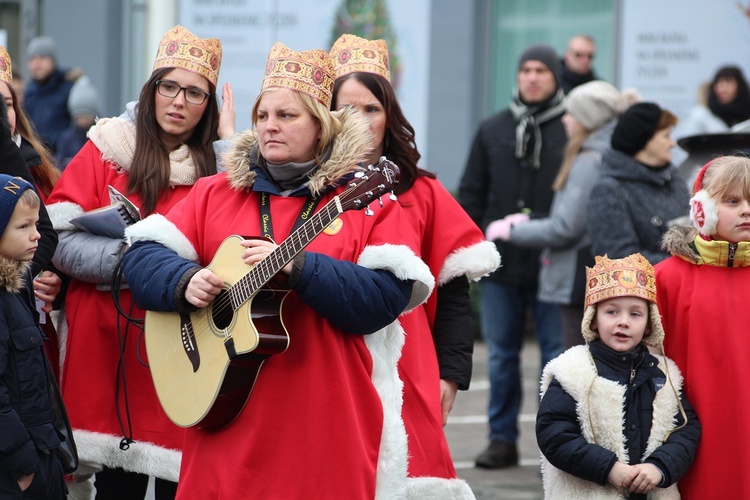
<point>221,310</point>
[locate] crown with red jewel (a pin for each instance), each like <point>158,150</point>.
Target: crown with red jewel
<point>179,48</point>
<point>6,73</point>
<point>632,276</point>
<point>352,54</point>
<point>309,72</point>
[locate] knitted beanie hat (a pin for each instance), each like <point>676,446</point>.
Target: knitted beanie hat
<point>636,127</point>
<point>83,98</point>
<point>11,189</point>
<point>594,103</point>
<point>42,46</point>
<point>546,55</point>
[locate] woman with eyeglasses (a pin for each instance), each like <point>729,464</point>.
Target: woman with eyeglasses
<point>153,156</point>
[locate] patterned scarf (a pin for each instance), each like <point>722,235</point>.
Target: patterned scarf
<point>530,117</point>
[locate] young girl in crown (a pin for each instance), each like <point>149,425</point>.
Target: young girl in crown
<point>703,291</point>
<point>613,422</point>
<point>154,160</point>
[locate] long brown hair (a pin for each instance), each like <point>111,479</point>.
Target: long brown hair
<point>46,173</point>
<point>399,145</point>
<point>149,173</point>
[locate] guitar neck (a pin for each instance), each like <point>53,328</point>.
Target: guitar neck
<point>266,269</point>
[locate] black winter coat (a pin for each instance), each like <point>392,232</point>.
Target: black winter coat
<point>12,163</point>
<point>26,428</point>
<point>496,184</point>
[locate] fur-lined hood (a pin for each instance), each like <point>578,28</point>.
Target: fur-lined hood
<point>685,242</point>
<point>12,273</point>
<point>351,147</point>
<point>680,241</point>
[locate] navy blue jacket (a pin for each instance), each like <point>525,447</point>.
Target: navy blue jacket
<point>563,444</point>
<point>47,106</point>
<point>26,428</point>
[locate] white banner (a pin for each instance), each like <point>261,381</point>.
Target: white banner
<point>248,29</point>
<point>668,48</point>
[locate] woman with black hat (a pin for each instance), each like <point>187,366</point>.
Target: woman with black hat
<point>639,195</point>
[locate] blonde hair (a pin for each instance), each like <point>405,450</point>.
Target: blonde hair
<point>728,175</point>
<point>624,100</point>
<point>330,126</point>
<point>575,143</point>
<point>29,198</point>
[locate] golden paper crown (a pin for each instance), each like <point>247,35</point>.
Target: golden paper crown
<point>632,276</point>
<point>352,54</point>
<point>6,72</point>
<point>309,72</point>
<point>179,48</point>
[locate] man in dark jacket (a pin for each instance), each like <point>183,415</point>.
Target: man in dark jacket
<point>511,167</point>
<point>577,62</point>
<point>46,95</point>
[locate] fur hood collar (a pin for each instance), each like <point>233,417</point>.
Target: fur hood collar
<point>351,147</point>
<point>685,243</point>
<point>12,273</point>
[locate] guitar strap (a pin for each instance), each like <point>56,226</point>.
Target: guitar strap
<point>266,225</point>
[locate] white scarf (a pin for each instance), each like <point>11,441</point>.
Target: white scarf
<point>115,138</point>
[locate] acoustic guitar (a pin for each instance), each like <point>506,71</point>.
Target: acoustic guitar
<point>204,364</point>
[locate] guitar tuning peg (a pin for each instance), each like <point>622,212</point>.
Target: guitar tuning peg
<point>368,211</point>
<point>382,159</point>
<point>359,175</point>
<point>380,200</point>
<point>393,196</point>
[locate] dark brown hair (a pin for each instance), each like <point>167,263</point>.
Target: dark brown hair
<point>46,173</point>
<point>399,145</point>
<point>149,172</point>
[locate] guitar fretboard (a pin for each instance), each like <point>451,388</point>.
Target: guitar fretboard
<point>262,273</point>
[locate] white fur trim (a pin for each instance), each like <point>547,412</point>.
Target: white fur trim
<point>708,225</point>
<point>158,228</point>
<point>474,261</point>
<point>61,213</point>
<point>401,261</point>
<point>60,320</point>
<point>385,348</point>
<point>142,457</point>
<point>437,488</point>
<point>599,404</point>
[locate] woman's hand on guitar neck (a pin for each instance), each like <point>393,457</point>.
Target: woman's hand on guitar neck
<point>257,250</point>
<point>202,288</point>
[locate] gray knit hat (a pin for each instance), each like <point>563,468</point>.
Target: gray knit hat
<point>83,98</point>
<point>594,103</point>
<point>42,46</point>
<point>546,55</point>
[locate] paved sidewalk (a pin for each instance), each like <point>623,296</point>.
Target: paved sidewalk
<point>467,433</point>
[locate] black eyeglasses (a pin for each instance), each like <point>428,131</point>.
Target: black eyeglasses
<point>168,88</point>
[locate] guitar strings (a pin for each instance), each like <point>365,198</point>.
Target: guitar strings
<point>251,282</point>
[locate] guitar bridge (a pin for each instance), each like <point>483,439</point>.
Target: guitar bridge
<point>188,341</point>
